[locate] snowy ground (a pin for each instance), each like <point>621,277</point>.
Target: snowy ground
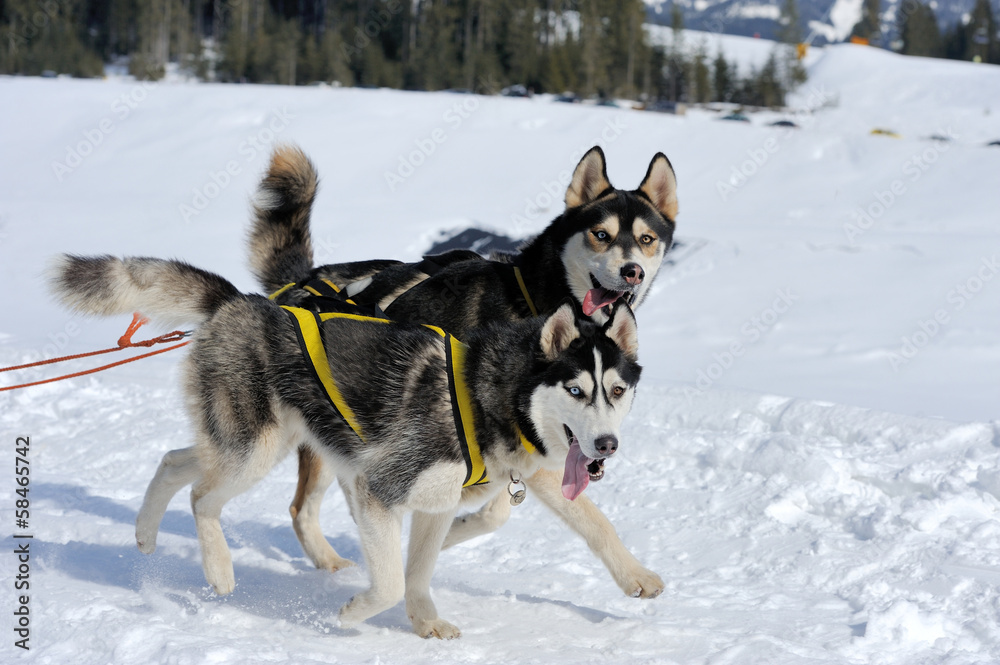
<point>812,466</point>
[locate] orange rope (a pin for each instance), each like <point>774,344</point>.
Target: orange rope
<point>124,342</point>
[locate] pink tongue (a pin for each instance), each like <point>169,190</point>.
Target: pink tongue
<point>598,298</point>
<point>575,475</point>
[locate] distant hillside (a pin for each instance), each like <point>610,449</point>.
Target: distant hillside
<point>827,20</point>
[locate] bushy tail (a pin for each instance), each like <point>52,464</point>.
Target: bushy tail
<point>169,292</point>
<point>280,244</point>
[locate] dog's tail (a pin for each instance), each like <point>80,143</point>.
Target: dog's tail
<point>169,292</point>
<point>280,243</point>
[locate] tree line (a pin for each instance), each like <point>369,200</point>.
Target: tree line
<point>594,48</point>
<point>920,33</point>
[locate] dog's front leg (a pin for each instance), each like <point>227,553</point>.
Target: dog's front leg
<point>426,535</point>
<point>587,520</point>
<point>487,519</point>
<point>380,529</point>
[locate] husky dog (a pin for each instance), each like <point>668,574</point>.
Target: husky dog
<point>409,419</point>
<point>607,245</point>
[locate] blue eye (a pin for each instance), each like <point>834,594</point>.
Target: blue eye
<point>601,235</point>
<point>575,392</point>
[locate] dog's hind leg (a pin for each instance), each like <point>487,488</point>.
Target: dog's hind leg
<point>587,520</point>
<point>487,519</point>
<point>380,529</point>
<point>426,534</point>
<point>208,496</point>
<point>177,469</point>
<point>229,470</point>
<point>315,477</point>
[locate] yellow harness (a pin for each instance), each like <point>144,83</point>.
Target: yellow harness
<point>307,331</point>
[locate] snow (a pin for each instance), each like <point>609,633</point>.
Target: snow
<point>807,491</point>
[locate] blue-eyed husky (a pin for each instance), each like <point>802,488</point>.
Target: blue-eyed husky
<point>607,245</point>
<point>407,417</point>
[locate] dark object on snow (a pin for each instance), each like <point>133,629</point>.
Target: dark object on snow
<point>567,98</point>
<point>665,106</point>
<point>996,143</point>
<point>737,117</point>
<point>940,137</point>
<point>516,90</point>
<point>784,123</point>
<point>478,240</point>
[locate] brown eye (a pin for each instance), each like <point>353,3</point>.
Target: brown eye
<point>646,239</point>
<point>618,391</point>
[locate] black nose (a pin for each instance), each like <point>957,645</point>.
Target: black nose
<point>606,445</point>
<point>633,273</point>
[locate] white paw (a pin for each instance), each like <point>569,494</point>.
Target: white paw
<point>642,583</point>
<point>221,577</point>
<point>145,538</point>
<point>332,562</point>
<point>351,613</point>
<point>146,546</point>
<point>438,628</point>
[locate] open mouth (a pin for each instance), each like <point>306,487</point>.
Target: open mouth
<point>580,469</point>
<point>602,298</point>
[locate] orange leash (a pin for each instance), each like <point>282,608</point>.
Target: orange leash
<point>124,342</point>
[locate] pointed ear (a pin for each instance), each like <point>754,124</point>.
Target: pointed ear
<point>589,179</point>
<point>660,185</point>
<point>622,330</point>
<point>559,331</point>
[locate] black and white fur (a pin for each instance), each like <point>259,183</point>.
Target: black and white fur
<point>252,400</point>
<point>598,242</point>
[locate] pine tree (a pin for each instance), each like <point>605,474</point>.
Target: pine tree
<point>723,79</point>
<point>919,32</point>
<point>869,26</point>
<point>676,61</point>
<point>46,37</point>
<point>702,91</point>
<point>982,31</point>
<point>790,34</point>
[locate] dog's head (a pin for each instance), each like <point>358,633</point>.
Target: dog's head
<point>583,389</point>
<point>613,241</point>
